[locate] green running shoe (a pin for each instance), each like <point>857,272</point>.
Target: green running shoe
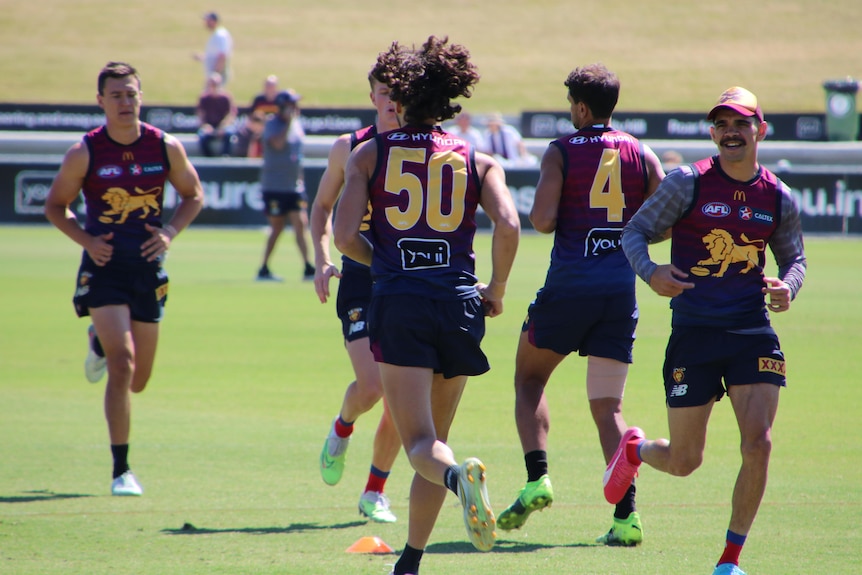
<point>332,457</point>
<point>625,532</point>
<point>375,506</point>
<point>534,496</point>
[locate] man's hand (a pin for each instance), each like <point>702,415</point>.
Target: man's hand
<point>779,294</point>
<point>321,280</point>
<point>99,250</point>
<point>664,281</point>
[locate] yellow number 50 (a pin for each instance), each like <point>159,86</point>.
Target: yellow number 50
<point>398,181</point>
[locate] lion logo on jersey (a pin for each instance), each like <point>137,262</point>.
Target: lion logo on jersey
<point>123,203</point>
<point>723,251</point>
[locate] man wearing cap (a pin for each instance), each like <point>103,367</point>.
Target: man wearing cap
<point>282,183</point>
<point>723,211</point>
<point>219,49</point>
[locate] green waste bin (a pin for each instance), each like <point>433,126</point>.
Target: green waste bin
<point>842,119</point>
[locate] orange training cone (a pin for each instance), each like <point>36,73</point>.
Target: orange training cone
<point>369,545</point>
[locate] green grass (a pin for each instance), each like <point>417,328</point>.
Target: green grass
<point>248,377</point>
<point>674,55</point>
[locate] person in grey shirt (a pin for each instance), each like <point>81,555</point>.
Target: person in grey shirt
<point>281,182</point>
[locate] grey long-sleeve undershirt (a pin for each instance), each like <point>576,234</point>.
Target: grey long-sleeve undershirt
<point>671,201</point>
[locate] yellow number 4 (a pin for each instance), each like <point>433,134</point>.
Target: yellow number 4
<point>608,175</point>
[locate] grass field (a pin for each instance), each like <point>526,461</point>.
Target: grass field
<point>674,55</point>
<point>226,438</point>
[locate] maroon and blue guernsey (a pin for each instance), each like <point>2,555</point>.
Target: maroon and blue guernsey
<point>124,188</point>
<point>424,193</point>
<point>356,138</point>
<point>604,183</point>
<point>726,263</point>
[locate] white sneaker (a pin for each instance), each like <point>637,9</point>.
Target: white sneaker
<point>126,484</point>
<point>375,506</point>
<point>95,365</point>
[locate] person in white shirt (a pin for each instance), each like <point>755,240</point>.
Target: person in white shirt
<point>504,142</point>
<point>464,129</point>
<point>219,49</point>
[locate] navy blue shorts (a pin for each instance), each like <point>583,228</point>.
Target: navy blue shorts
<point>280,203</point>
<point>351,304</point>
<point>415,331</point>
<point>141,287</point>
<point>601,326</point>
<point>698,359</point>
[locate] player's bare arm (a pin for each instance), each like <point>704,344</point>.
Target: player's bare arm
<point>66,187</point>
<point>549,190</point>
<point>497,202</point>
<point>328,191</point>
<point>184,178</point>
<point>354,203</point>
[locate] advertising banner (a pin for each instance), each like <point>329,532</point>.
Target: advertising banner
<point>830,200</point>
<point>673,126</point>
<point>174,119</point>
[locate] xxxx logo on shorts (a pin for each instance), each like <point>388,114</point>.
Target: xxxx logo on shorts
<point>771,365</point>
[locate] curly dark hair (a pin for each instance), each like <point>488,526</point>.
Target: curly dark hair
<point>595,86</point>
<point>116,70</point>
<point>425,80</point>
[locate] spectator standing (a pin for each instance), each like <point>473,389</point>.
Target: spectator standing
<point>217,114</point>
<point>219,49</point>
<point>122,168</point>
<point>282,183</point>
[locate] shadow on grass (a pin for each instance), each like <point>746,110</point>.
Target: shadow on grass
<point>189,529</point>
<point>40,495</point>
<point>502,546</point>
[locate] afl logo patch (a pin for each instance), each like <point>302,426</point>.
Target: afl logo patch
<point>109,172</point>
<point>716,210</point>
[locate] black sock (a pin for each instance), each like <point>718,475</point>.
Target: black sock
<point>409,561</point>
<point>627,505</point>
<point>450,478</point>
<point>121,459</point>
<point>537,464</point>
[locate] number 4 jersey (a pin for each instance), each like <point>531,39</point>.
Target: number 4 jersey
<point>424,194</point>
<point>604,183</point>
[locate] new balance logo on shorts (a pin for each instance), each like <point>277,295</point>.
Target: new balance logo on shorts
<point>679,390</point>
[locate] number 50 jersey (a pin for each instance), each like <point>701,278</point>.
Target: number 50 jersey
<point>424,193</point>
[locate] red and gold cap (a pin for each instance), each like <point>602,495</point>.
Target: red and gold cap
<point>739,100</point>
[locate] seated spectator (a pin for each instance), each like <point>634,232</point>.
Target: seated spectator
<point>464,129</point>
<point>262,106</point>
<point>217,113</point>
<point>671,159</point>
<point>504,142</point>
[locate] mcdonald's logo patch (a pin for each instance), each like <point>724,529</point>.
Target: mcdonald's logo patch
<point>771,365</point>
<point>739,196</point>
<point>128,157</point>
